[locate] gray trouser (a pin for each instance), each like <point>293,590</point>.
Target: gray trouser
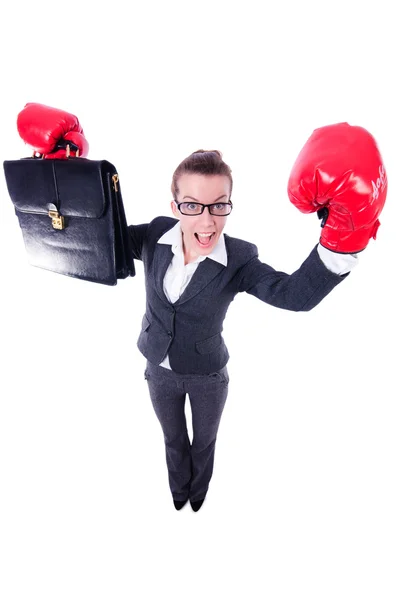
<point>190,465</point>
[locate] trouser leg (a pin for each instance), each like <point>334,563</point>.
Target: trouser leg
<point>207,400</point>
<point>168,399</point>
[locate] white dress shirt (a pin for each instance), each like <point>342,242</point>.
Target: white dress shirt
<point>178,274</point>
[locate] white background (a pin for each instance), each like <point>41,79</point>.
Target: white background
<point>303,499</point>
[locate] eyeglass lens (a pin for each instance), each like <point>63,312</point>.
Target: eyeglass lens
<point>193,208</point>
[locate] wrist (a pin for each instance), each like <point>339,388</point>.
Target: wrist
<point>338,263</point>
<point>347,241</point>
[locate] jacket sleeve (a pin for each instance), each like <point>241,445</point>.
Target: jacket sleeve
<point>300,291</point>
<point>137,235</point>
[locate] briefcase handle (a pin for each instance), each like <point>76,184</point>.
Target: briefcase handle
<point>61,145</point>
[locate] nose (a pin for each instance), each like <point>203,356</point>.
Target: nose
<point>206,217</point>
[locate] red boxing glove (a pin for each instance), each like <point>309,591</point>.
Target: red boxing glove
<point>340,174</point>
<point>50,131</point>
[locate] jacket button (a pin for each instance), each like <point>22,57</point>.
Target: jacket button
<point>169,333</point>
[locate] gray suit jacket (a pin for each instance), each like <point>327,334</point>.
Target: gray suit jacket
<point>190,330</point>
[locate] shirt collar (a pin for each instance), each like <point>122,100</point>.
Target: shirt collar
<point>174,237</point>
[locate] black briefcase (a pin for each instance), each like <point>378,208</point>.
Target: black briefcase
<point>72,217</point>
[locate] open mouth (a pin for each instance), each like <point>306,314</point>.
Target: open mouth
<point>204,240</point>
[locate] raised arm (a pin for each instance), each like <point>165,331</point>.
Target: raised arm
<point>300,291</point>
<point>137,235</point>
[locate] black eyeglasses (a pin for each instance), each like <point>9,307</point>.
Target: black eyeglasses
<point>218,209</point>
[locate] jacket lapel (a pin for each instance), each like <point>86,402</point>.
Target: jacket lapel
<point>162,258</point>
<point>203,275</point>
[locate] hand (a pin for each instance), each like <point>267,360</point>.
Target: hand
<point>52,132</point>
<point>340,174</point>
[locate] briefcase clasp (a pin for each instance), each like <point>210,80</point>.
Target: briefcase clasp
<point>58,222</point>
<point>115,179</point>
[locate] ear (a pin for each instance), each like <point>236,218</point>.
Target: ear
<point>174,209</point>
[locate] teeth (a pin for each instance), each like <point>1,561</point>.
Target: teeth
<point>204,234</point>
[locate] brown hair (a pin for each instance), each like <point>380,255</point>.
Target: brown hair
<point>202,162</point>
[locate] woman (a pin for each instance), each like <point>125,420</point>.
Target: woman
<point>193,271</point>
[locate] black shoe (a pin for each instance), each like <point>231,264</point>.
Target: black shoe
<point>197,504</point>
<point>179,504</point>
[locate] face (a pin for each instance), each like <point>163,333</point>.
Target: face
<point>206,189</point>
